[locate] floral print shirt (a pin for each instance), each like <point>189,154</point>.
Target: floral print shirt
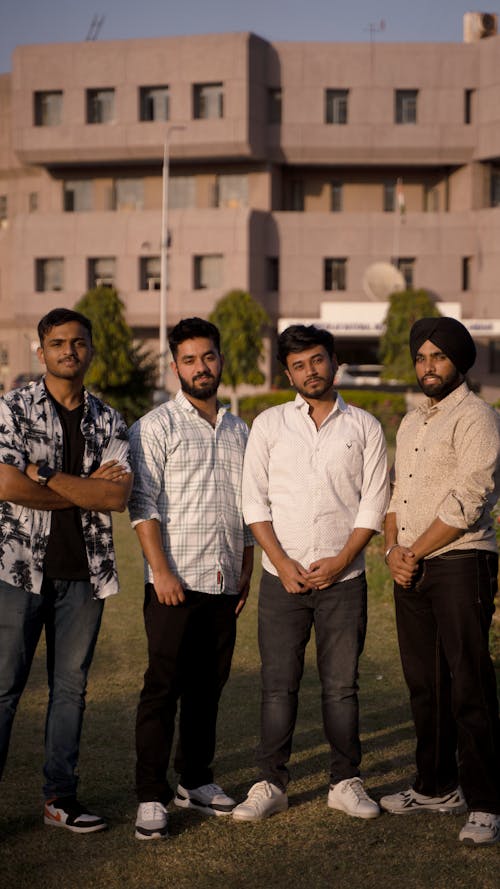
<point>30,432</point>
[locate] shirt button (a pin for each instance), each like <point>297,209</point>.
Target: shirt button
<point>410,475</point>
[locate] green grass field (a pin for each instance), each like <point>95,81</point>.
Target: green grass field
<point>309,846</point>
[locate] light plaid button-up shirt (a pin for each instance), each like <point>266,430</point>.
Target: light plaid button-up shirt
<point>188,477</point>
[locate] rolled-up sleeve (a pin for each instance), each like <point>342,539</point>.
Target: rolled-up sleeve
<point>374,498</point>
<point>255,486</point>
<point>147,451</point>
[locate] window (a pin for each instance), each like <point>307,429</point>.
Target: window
<point>431,198</point>
<point>469,102</point>
<point>149,273</point>
<point>33,201</point>
<point>3,207</point>
<point>154,103</point>
<point>466,272</point>
<point>78,195</point>
<point>296,195</point>
<point>101,272</point>
<point>336,197</point>
<point>128,194</point>
<point>48,108</point>
<point>405,106</point>
<point>336,106</point>
<point>494,357</point>
<point>49,274</point>
<point>100,106</point>
<point>181,192</point>
<point>389,197</point>
<point>207,271</point>
<point>273,273</point>
<point>208,100</point>
<point>274,106</point>
<point>406,266</point>
<point>494,189</point>
<point>232,190</point>
<point>335,274</point>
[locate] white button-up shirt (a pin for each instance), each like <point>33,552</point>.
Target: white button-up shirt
<point>315,485</point>
<point>188,478</point>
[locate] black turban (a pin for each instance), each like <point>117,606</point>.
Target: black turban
<point>447,334</point>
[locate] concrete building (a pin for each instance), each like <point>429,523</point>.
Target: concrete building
<point>294,168</point>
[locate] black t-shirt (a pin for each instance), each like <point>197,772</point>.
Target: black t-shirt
<point>66,556</point>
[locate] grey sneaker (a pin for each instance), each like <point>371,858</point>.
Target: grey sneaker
<point>480,829</point>
<point>263,799</point>
<point>409,802</point>
<point>350,796</point>
<point>151,821</point>
<point>209,799</point>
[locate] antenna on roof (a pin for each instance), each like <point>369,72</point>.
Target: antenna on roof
<point>375,28</point>
<point>95,26</point>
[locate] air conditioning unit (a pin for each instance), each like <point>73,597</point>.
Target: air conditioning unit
<point>154,283</point>
<point>104,282</point>
<point>478,25</point>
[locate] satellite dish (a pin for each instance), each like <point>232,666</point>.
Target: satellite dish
<point>381,279</point>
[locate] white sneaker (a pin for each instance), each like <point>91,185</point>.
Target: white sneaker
<point>409,802</point>
<point>480,829</point>
<point>350,796</point>
<point>209,799</point>
<point>264,799</point>
<point>151,821</point>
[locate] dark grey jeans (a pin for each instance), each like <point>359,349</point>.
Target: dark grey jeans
<point>338,615</point>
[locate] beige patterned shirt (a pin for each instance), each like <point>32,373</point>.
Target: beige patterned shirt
<point>448,466</point>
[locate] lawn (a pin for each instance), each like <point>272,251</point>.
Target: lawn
<point>309,846</point>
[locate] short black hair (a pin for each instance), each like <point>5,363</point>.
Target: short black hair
<point>299,337</point>
<point>188,329</point>
<point>56,317</point>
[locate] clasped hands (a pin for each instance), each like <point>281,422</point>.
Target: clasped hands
<point>403,565</point>
<point>320,574</point>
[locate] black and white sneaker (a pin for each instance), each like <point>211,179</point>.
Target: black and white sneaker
<point>151,821</point>
<point>66,811</point>
<point>480,829</point>
<point>409,802</point>
<point>209,799</point>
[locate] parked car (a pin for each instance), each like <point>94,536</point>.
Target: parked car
<point>362,375</point>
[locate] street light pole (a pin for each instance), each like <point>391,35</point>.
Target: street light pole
<point>162,365</point>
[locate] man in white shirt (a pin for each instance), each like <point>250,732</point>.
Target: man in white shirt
<point>315,490</point>
<point>186,509</point>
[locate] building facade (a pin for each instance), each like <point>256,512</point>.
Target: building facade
<point>294,168</point>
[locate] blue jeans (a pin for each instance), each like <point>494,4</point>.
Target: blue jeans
<point>338,614</point>
<point>72,619</point>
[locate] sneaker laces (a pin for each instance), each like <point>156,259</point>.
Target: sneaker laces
<point>261,790</point>
<point>210,788</point>
<point>153,810</point>
<point>356,786</point>
<point>482,819</point>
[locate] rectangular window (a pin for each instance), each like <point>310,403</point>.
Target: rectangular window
<point>274,106</point>
<point>494,189</point>
<point>208,101</point>
<point>296,195</point>
<point>181,192</point>
<point>406,266</point>
<point>3,207</point>
<point>232,190</point>
<point>466,272</point>
<point>128,194</point>
<point>154,103</point>
<point>335,273</point>
<point>100,106</point>
<point>431,198</point>
<point>273,273</point>
<point>336,102</point>
<point>469,102</point>
<point>405,106</point>
<point>49,274</point>
<point>208,271</point>
<point>33,201</point>
<point>149,273</point>
<point>101,272</point>
<point>48,108</point>
<point>494,356</point>
<point>389,197</point>
<point>77,195</point>
<point>336,196</point>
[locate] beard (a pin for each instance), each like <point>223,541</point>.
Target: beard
<point>440,388</point>
<point>324,386</point>
<point>206,388</point>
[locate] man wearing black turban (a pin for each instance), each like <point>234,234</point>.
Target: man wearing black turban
<point>442,553</point>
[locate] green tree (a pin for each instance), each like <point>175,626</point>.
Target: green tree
<point>122,373</point>
<point>240,320</point>
<point>405,308</point>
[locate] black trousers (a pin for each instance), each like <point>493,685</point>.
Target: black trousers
<point>190,649</point>
<point>443,623</point>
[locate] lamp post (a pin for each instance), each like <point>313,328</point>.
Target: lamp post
<point>162,367</point>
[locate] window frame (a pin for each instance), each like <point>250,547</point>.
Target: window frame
<point>42,111</point>
<point>204,104</point>
<point>334,273</point>
<point>97,101</point>
<point>336,107</point>
<point>147,99</point>
<point>406,107</point>
<point>45,271</point>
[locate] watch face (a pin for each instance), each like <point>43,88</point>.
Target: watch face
<point>44,473</point>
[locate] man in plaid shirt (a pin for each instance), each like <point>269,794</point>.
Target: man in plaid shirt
<point>186,509</point>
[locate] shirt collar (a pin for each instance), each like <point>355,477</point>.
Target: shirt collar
<point>340,405</point>
<point>186,405</point>
<point>446,404</point>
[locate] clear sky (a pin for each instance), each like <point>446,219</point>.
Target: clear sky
<point>55,21</point>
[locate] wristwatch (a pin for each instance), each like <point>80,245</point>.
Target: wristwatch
<point>45,472</point>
